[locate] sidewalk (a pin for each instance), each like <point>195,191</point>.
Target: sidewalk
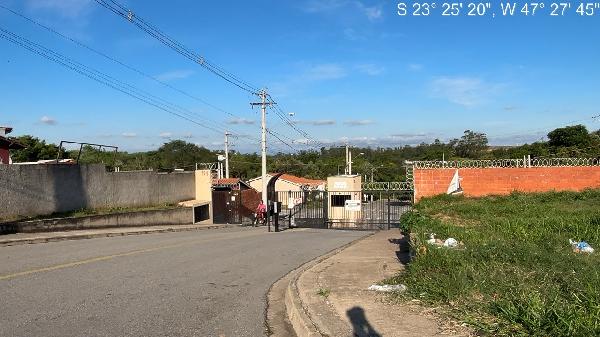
<point>330,297</point>
<point>31,238</point>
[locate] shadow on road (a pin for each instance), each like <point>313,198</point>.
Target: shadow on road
<point>403,252</point>
<point>360,324</point>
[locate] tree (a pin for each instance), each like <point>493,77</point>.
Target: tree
<point>471,145</point>
<point>181,154</point>
<point>576,135</point>
<point>35,149</point>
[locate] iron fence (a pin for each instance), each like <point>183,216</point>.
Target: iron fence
<point>504,163</point>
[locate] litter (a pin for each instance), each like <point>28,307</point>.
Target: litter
<point>388,288</point>
<point>448,243</point>
<point>581,247</point>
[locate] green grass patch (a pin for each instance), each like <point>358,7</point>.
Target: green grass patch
<point>517,275</point>
<point>323,292</point>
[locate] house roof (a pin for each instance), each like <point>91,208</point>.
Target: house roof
<point>10,143</point>
<point>301,181</point>
<point>7,129</point>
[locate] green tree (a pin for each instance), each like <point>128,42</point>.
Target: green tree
<point>576,135</point>
<point>471,145</point>
<point>35,149</point>
<point>181,154</point>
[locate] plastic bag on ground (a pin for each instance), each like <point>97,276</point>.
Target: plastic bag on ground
<point>388,288</point>
<point>581,247</point>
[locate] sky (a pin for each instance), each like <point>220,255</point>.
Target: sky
<point>344,71</point>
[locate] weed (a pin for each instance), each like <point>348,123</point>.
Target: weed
<point>517,275</point>
<point>323,292</point>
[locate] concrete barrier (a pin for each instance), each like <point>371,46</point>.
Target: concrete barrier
<point>30,190</point>
<point>174,216</point>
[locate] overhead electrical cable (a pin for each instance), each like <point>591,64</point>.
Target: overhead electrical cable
<point>105,79</point>
<point>181,49</point>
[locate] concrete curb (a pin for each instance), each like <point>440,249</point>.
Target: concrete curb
<point>74,236</point>
<point>284,298</point>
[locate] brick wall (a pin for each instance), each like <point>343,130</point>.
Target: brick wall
<point>477,182</point>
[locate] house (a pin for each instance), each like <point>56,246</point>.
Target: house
<point>288,182</point>
<point>7,144</point>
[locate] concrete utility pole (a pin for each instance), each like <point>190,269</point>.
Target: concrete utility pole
<point>263,104</point>
<point>350,162</point>
<point>227,134</point>
<point>348,169</point>
<point>347,151</point>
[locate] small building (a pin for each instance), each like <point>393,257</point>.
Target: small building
<point>345,200</point>
<point>288,182</point>
<point>7,144</point>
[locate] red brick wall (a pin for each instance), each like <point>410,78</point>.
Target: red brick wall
<point>498,181</point>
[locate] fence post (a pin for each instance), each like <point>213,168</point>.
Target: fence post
<point>389,211</point>
<point>289,209</point>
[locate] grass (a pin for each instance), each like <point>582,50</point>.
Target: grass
<point>517,275</point>
<point>88,212</point>
<point>324,292</point>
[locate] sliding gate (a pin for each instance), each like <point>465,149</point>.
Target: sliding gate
<point>303,209</point>
<point>369,209</point>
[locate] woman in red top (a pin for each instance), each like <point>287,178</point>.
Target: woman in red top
<point>261,211</point>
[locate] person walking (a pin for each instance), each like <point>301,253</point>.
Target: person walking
<point>261,212</point>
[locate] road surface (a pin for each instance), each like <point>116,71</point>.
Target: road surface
<point>204,283</point>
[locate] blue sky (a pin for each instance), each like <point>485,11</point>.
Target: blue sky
<point>348,70</point>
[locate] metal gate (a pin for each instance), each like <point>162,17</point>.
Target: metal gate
<point>372,209</point>
<point>368,209</point>
<point>227,207</point>
<point>303,209</point>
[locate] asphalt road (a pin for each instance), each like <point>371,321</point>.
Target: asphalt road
<point>202,283</point>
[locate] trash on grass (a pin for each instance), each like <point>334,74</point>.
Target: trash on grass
<point>448,243</point>
<point>581,247</point>
<point>388,288</point>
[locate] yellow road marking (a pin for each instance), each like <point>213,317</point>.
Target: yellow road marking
<point>103,258</point>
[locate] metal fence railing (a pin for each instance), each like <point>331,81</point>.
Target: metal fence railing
<point>505,163</point>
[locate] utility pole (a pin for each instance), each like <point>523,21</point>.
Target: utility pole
<point>350,162</point>
<point>263,104</point>
<point>227,134</point>
<point>348,169</point>
<point>347,152</point>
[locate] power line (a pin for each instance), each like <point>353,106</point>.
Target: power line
<point>178,47</point>
<point>100,77</point>
<point>181,49</point>
<point>81,44</point>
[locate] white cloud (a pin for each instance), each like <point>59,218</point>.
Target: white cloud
<point>415,67</point>
<point>465,91</point>
<point>323,72</point>
<point>48,120</point>
<point>129,134</point>
<point>319,122</point>
<point>188,136</point>
<point>370,69</point>
<point>359,122</point>
<point>302,141</point>
<point>372,13</point>
<point>241,121</point>
<point>165,135</point>
<point>175,75</point>
<point>67,8</point>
